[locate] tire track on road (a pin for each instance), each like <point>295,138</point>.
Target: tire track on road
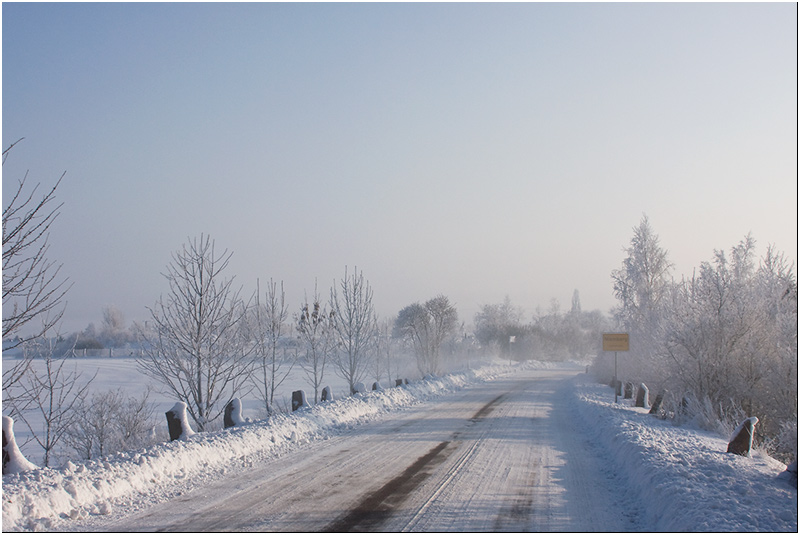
<point>379,506</point>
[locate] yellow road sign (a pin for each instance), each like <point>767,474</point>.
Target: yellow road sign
<point>615,342</point>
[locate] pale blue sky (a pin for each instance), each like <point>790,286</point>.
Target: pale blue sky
<point>474,150</point>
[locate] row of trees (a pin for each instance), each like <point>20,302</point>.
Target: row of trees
<point>206,343</point>
<point>551,335</point>
<point>724,339</point>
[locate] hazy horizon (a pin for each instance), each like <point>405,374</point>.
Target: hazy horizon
<point>472,150</point>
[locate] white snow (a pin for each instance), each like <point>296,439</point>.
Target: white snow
<point>16,460</point>
<point>683,476</point>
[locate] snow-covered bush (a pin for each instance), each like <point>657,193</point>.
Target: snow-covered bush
<point>725,338</point>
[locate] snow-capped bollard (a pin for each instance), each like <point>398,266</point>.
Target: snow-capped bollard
<point>298,399</point>
<point>327,394</point>
<point>742,438</point>
<point>628,391</point>
<point>376,386</point>
<point>233,414</point>
<point>13,460</point>
<point>656,408</point>
<point>178,422</point>
<point>641,396</point>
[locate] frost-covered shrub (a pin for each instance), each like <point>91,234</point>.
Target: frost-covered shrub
<point>109,421</point>
<point>720,418</point>
<point>784,445</point>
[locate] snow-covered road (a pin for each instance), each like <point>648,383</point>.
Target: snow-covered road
<point>504,455</point>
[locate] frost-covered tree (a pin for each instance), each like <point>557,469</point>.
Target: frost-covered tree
<point>32,287</point>
<point>495,324</point>
<point>113,332</point>
<point>49,395</point>
<point>576,303</point>
<point>386,358</point>
<point>444,320</point>
<point>354,326</point>
<point>425,328</point>
<point>314,323</point>
<point>198,347</point>
<point>643,281</point>
<point>268,320</point>
<point>33,290</point>
<point>776,282</point>
<point>725,338</point>
<point>412,326</point>
<point>732,336</point>
<point>641,285</point>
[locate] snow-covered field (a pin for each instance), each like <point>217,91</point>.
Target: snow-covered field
<point>676,478</point>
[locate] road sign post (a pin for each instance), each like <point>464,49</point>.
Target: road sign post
<point>616,342</point>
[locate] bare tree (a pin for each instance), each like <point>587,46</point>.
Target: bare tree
<point>314,332</point>
<point>353,326</point>
<point>52,394</point>
<point>197,347</point>
<point>32,288</point>
<point>268,320</point>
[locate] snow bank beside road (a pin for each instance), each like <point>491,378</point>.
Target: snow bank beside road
<point>683,476</point>
<point>46,499</point>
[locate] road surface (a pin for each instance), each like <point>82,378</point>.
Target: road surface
<point>505,455</point>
